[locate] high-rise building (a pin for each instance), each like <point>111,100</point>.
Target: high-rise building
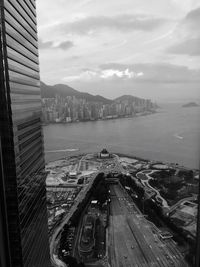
<point>23,213</point>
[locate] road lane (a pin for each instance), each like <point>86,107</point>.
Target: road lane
<point>132,236</point>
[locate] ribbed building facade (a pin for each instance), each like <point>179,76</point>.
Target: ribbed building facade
<point>23,212</point>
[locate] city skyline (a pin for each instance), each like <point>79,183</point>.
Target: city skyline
<point>147,50</point>
<point>71,108</point>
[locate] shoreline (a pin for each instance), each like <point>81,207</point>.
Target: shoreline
<point>170,164</point>
<point>105,119</point>
<point>155,161</point>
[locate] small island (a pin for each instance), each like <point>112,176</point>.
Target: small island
<point>190,105</point>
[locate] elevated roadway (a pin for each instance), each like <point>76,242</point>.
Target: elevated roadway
<point>55,238</point>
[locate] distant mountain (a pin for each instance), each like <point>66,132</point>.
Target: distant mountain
<point>190,104</point>
<point>94,107</point>
<point>49,91</point>
<point>127,98</point>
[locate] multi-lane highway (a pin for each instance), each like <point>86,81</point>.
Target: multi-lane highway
<point>132,240</point>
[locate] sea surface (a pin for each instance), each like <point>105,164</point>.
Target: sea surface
<point>171,135</point>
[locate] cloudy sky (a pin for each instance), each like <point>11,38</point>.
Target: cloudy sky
<point>147,48</point>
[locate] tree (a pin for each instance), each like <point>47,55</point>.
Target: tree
<point>72,262</point>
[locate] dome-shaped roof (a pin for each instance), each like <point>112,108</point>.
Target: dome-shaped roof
<point>104,151</point>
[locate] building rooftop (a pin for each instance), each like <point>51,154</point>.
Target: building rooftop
<point>104,151</point>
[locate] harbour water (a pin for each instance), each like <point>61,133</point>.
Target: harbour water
<point>171,135</point>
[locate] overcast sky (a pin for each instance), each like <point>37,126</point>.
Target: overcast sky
<point>147,48</point>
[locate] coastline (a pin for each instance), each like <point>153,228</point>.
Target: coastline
<point>127,155</point>
<point>155,161</point>
<point>146,113</point>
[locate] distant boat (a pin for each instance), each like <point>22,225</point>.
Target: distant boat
<point>178,136</point>
<point>63,150</point>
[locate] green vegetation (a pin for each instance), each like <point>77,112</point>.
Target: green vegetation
<point>130,182</point>
<point>72,262</point>
<point>172,184</point>
<point>155,211</point>
<point>100,237</point>
<point>100,192</point>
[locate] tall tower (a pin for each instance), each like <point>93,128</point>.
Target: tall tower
<point>23,213</point>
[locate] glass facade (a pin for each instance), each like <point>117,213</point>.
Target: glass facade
<point>22,161</point>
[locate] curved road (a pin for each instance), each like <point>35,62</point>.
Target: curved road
<point>146,183</point>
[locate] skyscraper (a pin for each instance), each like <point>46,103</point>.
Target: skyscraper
<point>23,213</point>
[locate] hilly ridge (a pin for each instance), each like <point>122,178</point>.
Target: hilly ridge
<point>127,98</point>
<point>50,91</point>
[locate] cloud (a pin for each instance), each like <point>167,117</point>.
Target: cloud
<point>65,45</point>
<point>155,80</point>
<point>123,23</point>
<point>193,17</point>
<point>189,47</point>
<point>92,75</point>
<point>106,74</point>
<point>156,72</point>
<point>51,45</point>
<point>189,26</point>
<point>86,75</point>
<point>45,45</point>
<point>139,73</point>
<point>76,57</point>
<point>187,35</point>
<point>126,74</point>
